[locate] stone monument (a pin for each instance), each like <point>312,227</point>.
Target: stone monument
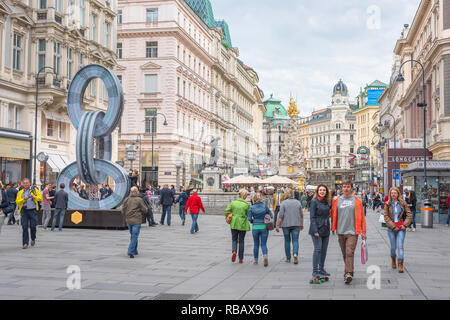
<point>212,174</point>
<point>292,160</point>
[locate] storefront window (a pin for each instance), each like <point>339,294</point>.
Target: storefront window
<point>12,170</point>
<point>444,192</point>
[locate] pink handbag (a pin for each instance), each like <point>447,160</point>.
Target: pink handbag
<point>364,252</point>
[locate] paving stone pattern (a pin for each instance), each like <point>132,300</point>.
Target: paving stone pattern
<point>173,264</point>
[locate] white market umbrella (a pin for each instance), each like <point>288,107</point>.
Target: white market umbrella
<point>279,180</point>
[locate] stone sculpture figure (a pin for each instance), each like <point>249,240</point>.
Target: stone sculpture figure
<point>214,153</point>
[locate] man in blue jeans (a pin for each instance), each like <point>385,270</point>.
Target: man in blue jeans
<point>133,210</point>
<point>167,200</point>
<point>61,200</point>
<point>28,202</point>
<point>290,219</point>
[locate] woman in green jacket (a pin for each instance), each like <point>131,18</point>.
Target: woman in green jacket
<point>239,223</point>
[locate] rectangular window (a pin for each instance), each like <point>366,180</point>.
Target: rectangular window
<point>61,130</point>
<point>119,50</point>
<point>17,52</point>
<point>151,49</point>
<point>92,88</point>
<point>81,60</point>
<point>338,149</point>
<point>106,34</point>
<point>151,83</point>
<point>50,128</point>
<point>178,85</point>
<point>41,54</point>
<point>150,120</point>
<point>351,137</point>
<point>42,4</point>
<point>152,15</point>
<point>184,89</point>
<point>57,57</point>
<point>338,137</point>
<point>93,26</point>
<point>69,63</point>
<point>82,6</point>
<point>119,76</point>
<point>352,150</point>
<point>58,6</point>
<point>119,16</point>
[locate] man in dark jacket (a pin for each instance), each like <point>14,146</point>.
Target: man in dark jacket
<point>61,201</point>
<point>133,210</point>
<point>182,199</point>
<point>12,195</point>
<point>146,197</point>
<point>52,194</point>
<point>166,199</point>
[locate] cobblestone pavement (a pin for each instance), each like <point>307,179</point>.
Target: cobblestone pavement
<point>173,264</point>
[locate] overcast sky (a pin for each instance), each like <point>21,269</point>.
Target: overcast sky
<point>305,47</point>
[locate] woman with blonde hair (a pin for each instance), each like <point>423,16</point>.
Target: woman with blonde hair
<point>256,216</point>
<point>239,224</point>
<point>319,229</point>
<point>398,217</point>
<point>290,219</point>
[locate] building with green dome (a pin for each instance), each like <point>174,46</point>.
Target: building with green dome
<point>275,128</point>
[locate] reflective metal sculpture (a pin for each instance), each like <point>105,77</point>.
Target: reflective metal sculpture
<point>95,126</point>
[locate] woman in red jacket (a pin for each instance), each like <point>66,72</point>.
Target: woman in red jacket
<point>194,204</point>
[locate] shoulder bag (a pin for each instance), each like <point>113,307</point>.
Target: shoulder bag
<point>268,221</point>
<point>364,252</point>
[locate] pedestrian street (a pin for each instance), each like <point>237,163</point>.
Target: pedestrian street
<point>174,264</point>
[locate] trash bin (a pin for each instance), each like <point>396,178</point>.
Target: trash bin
<point>427,215</point>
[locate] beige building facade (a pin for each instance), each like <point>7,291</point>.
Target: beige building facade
<point>427,40</point>
<point>177,65</point>
<point>57,37</point>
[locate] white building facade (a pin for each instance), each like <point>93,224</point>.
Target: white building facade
<point>57,37</point>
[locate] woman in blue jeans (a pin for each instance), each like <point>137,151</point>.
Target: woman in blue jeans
<point>290,218</point>
<point>398,217</point>
<point>260,233</point>
<point>320,229</point>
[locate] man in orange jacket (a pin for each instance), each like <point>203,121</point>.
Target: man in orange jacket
<point>348,219</point>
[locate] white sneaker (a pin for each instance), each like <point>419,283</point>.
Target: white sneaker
<point>413,229</point>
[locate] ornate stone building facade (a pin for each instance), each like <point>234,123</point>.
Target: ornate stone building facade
<point>428,41</point>
<point>62,36</point>
<point>333,139</point>
<point>177,64</point>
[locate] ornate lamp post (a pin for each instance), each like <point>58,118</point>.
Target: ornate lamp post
<point>131,155</point>
<point>423,105</point>
<point>387,124</point>
<point>153,131</point>
<point>55,83</point>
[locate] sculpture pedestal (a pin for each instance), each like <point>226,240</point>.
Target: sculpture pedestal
<point>211,180</point>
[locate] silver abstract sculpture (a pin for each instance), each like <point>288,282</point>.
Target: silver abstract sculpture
<point>214,153</point>
<point>91,126</point>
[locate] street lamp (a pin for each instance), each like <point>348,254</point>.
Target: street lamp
<point>178,164</point>
<point>153,131</point>
<point>386,123</point>
<point>423,105</point>
<point>139,140</point>
<point>131,155</point>
<point>55,83</point>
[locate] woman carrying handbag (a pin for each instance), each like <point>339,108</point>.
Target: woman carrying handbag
<point>257,217</point>
<point>398,217</point>
<point>319,229</point>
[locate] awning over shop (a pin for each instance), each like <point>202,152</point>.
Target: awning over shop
<point>57,162</point>
<point>198,180</point>
<point>56,116</point>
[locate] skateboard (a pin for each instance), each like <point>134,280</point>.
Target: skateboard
<point>319,280</point>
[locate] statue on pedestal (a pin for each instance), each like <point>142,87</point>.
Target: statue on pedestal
<point>292,160</point>
<point>214,152</point>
